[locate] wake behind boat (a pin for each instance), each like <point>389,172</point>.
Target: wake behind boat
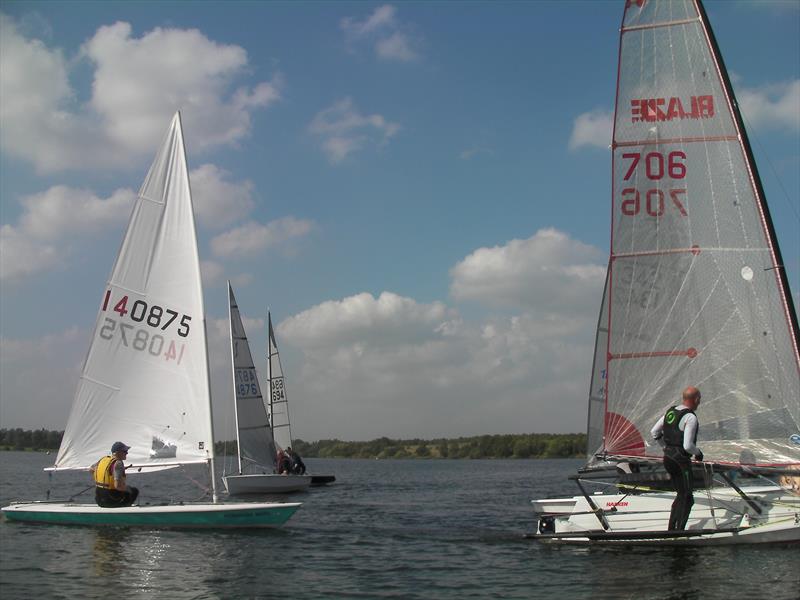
<point>695,292</point>
<point>146,375</point>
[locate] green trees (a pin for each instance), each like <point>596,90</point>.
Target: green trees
<point>38,439</point>
<point>528,445</point>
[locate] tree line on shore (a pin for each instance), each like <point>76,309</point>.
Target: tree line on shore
<point>528,445</point>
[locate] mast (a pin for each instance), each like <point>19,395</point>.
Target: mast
<point>755,178</point>
<point>214,496</point>
<point>269,375</point>
<point>233,375</point>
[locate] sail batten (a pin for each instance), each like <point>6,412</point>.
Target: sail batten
<point>695,291</point>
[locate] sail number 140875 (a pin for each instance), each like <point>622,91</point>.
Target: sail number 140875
<point>154,315</point>
<point>657,167</point>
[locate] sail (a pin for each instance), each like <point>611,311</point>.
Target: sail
<point>278,404</point>
<point>145,378</point>
<point>697,293</point>
<point>597,387</point>
<point>256,448</point>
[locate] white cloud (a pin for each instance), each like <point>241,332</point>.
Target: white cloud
<point>251,238</point>
<point>53,223</point>
<point>212,272</point>
<point>381,18</point>
<point>138,83</point>
<point>218,202</point>
<point>775,106</point>
<point>384,31</point>
<point>549,272</point>
<point>396,47</point>
<point>54,363</point>
<point>21,255</point>
<point>474,151</point>
<point>372,366</point>
<point>592,129</point>
<point>343,130</point>
<point>383,319</point>
<point>63,211</point>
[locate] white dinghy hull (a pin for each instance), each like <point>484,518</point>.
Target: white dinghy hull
<point>202,515</point>
<point>263,483</point>
<point>719,516</point>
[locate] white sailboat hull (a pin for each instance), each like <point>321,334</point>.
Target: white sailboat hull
<point>265,483</point>
<point>200,515</point>
<point>719,516</point>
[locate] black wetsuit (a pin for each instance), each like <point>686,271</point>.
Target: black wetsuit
<point>678,464</point>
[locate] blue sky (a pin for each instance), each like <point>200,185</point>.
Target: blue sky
<point>419,192</point>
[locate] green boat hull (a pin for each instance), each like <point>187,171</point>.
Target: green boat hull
<point>240,515</point>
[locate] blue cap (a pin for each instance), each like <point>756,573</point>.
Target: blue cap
<point>119,447</point>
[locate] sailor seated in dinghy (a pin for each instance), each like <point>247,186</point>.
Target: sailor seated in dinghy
<point>111,490</point>
<point>676,432</point>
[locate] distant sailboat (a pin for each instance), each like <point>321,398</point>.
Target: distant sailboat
<point>146,378</point>
<point>278,403</point>
<point>258,468</point>
<point>696,294</point>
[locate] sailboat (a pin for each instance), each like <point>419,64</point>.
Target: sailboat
<point>258,468</point>
<point>145,378</point>
<point>695,294</point>
<point>278,403</point>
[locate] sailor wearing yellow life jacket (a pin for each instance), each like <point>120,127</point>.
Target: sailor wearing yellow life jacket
<point>111,489</point>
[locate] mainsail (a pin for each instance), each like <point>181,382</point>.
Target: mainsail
<point>278,404</point>
<point>145,378</point>
<point>696,290</point>
<point>256,447</point>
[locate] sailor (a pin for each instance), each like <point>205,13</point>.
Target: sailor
<point>284,463</point>
<point>676,432</point>
<point>111,489</point>
<point>298,466</point>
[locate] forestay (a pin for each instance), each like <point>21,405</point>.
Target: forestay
<point>256,447</point>
<point>697,293</point>
<point>278,403</point>
<point>145,378</point>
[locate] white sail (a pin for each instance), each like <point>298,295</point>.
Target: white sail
<point>697,292</point>
<point>257,453</point>
<point>145,378</point>
<point>597,388</point>
<point>278,404</point>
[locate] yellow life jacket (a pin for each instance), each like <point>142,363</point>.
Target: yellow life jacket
<point>104,473</point>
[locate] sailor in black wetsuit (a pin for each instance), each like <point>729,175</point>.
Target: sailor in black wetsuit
<point>676,432</point>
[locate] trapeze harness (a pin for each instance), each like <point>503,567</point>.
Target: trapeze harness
<point>673,436</point>
<point>104,473</point>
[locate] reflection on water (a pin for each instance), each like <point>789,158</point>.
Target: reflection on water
<point>386,529</point>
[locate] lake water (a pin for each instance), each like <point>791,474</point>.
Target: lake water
<point>386,529</point>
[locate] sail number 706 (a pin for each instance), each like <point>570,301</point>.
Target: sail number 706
<point>657,166</point>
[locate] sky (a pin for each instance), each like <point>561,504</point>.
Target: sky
<point>418,192</point>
